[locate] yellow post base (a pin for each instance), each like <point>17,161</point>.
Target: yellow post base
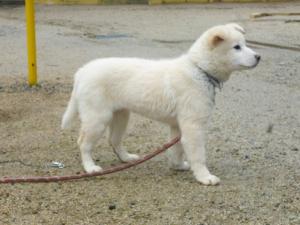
<point>31,47</point>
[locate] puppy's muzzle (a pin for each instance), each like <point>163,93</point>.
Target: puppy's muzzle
<point>257,57</point>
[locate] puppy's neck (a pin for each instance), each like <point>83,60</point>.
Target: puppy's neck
<point>211,78</point>
<point>215,70</point>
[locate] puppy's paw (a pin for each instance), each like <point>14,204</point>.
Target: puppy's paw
<point>182,167</point>
<point>209,179</point>
<point>93,169</point>
<point>129,157</point>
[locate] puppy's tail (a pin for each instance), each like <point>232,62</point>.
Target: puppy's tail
<point>71,111</point>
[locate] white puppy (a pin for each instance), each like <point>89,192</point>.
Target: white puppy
<point>179,92</point>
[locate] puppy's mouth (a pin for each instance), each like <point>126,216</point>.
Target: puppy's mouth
<point>249,67</point>
<point>255,64</point>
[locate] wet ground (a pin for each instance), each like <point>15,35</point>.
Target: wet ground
<point>253,142</point>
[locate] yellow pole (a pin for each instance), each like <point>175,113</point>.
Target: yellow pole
<point>31,47</point>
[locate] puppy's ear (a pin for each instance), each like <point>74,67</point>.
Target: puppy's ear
<point>237,27</point>
<point>216,40</point>
<point>216,36</point>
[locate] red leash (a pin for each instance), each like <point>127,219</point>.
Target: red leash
<point>46,179</point>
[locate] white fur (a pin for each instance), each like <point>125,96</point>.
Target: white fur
<point>173,91</point>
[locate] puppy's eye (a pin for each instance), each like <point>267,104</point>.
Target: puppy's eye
<point>237,47</point>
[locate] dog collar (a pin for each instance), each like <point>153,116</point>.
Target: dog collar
<point>211,79</point>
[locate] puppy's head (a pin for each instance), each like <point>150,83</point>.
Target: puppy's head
<point>228,41</point>
<point>224,48</point>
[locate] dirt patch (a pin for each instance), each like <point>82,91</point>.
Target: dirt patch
<point>259,180</point>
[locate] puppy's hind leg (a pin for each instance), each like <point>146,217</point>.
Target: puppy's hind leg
<point>116,130</point>
<point>92,128</point>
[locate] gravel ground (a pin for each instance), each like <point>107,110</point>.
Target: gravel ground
<point>253,143</point>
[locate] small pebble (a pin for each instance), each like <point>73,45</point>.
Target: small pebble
<point>112,207</point>
<point>270,128</point>
<point>277,205</point>
<point>132,203</point>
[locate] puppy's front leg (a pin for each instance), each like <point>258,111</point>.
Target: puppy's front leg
<point>175,153</point>
<point>193,141</point>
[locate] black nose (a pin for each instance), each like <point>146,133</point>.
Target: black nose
<point>257,57</point>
